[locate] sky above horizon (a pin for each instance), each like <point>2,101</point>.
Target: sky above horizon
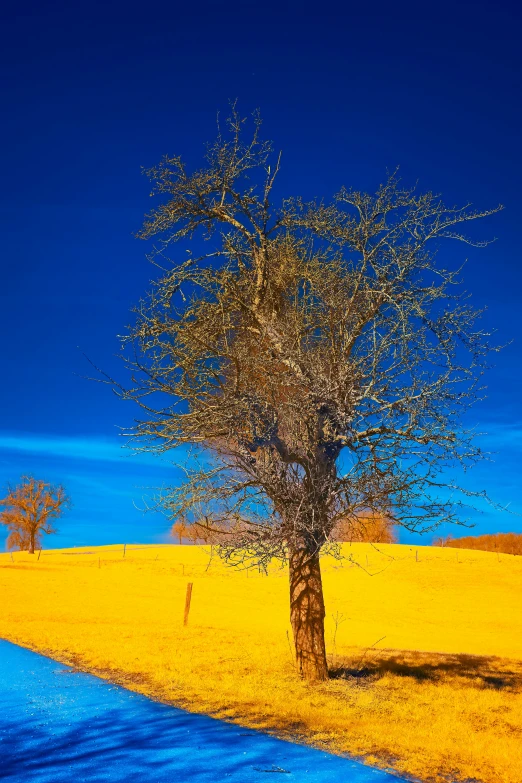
<point>94,92</point>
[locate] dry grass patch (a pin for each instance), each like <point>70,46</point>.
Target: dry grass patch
<point>438,698</point>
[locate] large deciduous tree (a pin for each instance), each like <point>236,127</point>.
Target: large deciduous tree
<point>316,355</point>
<point>28,511</point>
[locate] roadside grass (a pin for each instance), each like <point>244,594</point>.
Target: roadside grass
<point>425,646</point>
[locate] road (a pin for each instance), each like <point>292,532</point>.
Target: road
<point>57,724</point>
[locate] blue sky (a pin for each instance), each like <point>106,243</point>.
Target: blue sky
<point>93,92</point>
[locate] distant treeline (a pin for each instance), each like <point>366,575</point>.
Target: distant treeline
<point>369,528</point>
<point>508,543</point>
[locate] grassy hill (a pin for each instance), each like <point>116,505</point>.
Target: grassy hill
<point>425,644</point>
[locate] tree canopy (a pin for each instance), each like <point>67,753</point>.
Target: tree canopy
<point>316,355</point>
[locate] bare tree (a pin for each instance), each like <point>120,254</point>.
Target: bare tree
<point>28,510</point>
<point>178,530</point>
<point>316,354</point>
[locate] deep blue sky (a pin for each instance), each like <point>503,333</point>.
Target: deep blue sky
<point>94,91</point>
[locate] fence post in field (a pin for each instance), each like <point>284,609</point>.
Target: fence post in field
<point>12,558</point>
<point>187,603</point>
<point>39,553</point>
<point>124,549</point>
<point>417,555</point>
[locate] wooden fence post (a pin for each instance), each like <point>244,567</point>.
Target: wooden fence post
<point>187,603</point>
<point>124,549</point>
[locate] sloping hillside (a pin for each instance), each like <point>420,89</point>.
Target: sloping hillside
<point>425,644</point>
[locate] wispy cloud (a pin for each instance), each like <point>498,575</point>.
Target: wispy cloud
<point>78,448</point>
<point>499,434</point>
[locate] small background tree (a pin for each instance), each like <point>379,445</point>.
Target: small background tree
<point>178,530</point>
<point>28,511</point>
<point>317,354</point>
<point>371,527</point>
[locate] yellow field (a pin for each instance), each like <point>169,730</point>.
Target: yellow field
<point>428,654</point>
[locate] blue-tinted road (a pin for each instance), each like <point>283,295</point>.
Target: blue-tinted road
<point>59,725</point>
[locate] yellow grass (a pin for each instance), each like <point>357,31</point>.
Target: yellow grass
<point>438,698</point>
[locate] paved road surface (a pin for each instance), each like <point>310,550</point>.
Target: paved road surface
<point>60,725</point>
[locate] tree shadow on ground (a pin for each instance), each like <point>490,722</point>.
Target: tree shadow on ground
<point>121,745</point>
<point>160,745</point>
<point>477,670</point>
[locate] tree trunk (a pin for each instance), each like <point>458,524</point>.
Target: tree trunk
<point>307,614</point>
<point>31,544</point>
